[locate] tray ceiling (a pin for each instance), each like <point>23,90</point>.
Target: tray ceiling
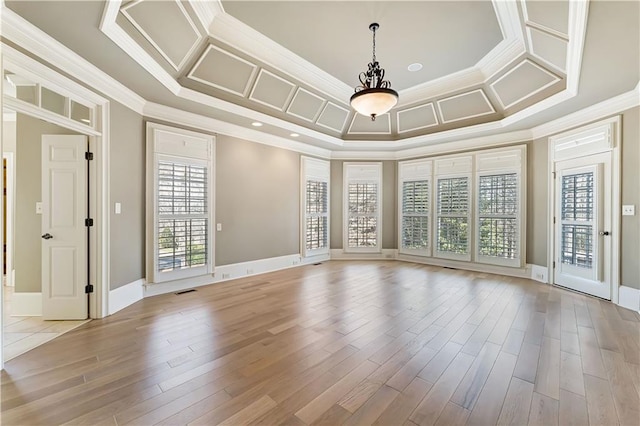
<point>297,62</point>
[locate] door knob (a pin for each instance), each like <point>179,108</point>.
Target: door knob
<point>47,236</point>
<point>603,232</point>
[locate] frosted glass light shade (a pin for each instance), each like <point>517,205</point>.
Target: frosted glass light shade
<point>374,102</point>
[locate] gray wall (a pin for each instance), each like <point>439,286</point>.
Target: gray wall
<point>630,247</point>
<point>537,201</point>
<point>127,186</point>
<point>28,224</point>
<point>257,201</point>
<point>389,204</point>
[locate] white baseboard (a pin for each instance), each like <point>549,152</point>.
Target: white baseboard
<point>468,266</point>
<point>384,254</point>
<point>629,297</point>
<point>26,304</point>
<point>225,273</point>
<point>539,273</point>
<point>315,259</point>
<point>126,295</point>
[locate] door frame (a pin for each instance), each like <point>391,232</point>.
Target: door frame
<point>580,142</point>
<point>99,137</point>
<point>10,183</point>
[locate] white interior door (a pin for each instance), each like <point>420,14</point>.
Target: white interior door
<point>64,243</point>
<point>582,226</point>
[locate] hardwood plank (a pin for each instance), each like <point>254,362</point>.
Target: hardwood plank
<point>527,365</point>
<point>489,404</point>
<point>431,407</point>
<point>573,409</point>
<point>517,403</point>
<point>432,371</point>
<point>251,412</point>
<point>571,376</point>
<point>453,415</point>
<point>600,405</point>
<point>590,353</point>
<point>406,375</point>
<point>403,405</point>
<point>544,410</point>
<point>548,374</point>
<point>336,415</point>
<point>513,342</point>
<point>469,389</point>
<point>374,407</point>
<point>627,402</point>
<point>569,342</point>
<point>310,412</point>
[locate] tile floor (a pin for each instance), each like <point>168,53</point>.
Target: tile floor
<point>21,334</point>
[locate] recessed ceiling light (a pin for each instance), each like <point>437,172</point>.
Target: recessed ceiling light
<point>294,135</point>
<point>256,124</point>
<point>414,67</point>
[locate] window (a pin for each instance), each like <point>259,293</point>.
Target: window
<point>468,208</point>
<point>453,216</point>
<point>181,182</point>
<point>415,183</point>
<point>577,215</point>
<point>362,194</point>
<point>315,209</point>
<point>453,207</point>
<point>499,207</point>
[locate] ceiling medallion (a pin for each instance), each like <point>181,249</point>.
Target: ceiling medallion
<point>374,96</point>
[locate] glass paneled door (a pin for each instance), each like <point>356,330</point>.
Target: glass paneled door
<point>583,225</point>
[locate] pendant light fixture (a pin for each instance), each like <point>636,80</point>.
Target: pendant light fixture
<point>374,96</point>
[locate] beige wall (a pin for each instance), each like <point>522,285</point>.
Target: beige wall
<point>9,136</point>
<point>389,204</point>
<point>630,247</point>
<point>257,201</point>
<point>127,187</point>
<point>28,226</point>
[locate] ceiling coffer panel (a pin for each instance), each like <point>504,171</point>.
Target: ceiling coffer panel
<point>167,26</point>
<point>223,70</point>
<point>464,106</point>
<point>305,105</point>
<point>362,125</point>
<point>272,91</point>
<point>333,117</point>
<point>419,117</point>
<point>548,48</point>
<point>553,15</point>
<point>519,83</point>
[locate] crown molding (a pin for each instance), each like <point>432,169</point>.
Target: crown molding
<point>240,36</point>
<point>578,15</point>
<point>111,29</point>
<point>595,112</point>
<point>45,47</point>
<point>206,11</point>
<point>212,125</point>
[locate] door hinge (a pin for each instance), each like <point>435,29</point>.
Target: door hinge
<point>88,156</point>
<point>88,288</point>
<point>554,265</point>
<point>88,222</point>
<point>554,219</point>
<point>554,175</point>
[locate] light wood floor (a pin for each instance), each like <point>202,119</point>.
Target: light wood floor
<point>388,343</point>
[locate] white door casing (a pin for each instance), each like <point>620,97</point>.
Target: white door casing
<point>583,225</point>
<point>64,210</point>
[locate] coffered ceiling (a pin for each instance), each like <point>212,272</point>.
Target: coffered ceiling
<point>292,65</point>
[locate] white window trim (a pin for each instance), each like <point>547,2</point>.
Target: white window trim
<point>512,156</point>
<point>371,167</point>
<point>317,170</point>
<point>170,143</point>
<point>412,171</point>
